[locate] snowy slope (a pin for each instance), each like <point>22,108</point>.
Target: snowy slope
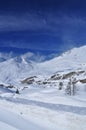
<point>5,126</point>
<point>14,69</point>
<point>17,68</point>
<point>40,107</point>
<point>74,59</point>
<point>11,121</point>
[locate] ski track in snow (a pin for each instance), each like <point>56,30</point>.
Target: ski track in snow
<point>51,106</point>
<point>16,121</point>
<point>4,126</point>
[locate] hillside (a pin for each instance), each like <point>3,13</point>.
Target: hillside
<point>50,95</point>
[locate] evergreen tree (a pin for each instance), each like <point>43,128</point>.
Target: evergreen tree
<point>68,88</point>
<point>60,85</point>
<point>17,91</point>
<point>73,86</point>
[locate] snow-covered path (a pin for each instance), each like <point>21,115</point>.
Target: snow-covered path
<point>55,107</point>
<point>41,109</point>
<point>5,126</point>
<point>15,121</point>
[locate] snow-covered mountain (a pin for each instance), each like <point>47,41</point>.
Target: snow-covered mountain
<point>13,69</point>
<point>71,60</point>
<point>32,91</point>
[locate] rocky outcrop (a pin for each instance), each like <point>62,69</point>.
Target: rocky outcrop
<point>54,79</point>
<point>83,80</point>
<point>29,80</point>
<point>65,76</point>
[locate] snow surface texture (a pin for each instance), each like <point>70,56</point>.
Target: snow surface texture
<point>40,107</point>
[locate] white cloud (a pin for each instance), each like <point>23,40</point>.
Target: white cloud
<point>50,23</point>
<point>22,22</point>
<point>67,28</point>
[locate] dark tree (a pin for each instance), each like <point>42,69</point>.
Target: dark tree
<point>68,88</point>
<point>60,85</point>
<point>17,91</point>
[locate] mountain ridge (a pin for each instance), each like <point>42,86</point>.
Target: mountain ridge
<point>22,66</point>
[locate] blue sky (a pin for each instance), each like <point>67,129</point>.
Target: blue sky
<point>55,25</point>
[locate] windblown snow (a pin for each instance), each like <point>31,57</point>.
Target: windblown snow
<point>41,102</point>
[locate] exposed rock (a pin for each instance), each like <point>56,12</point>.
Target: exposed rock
<point>1,85</point>
<point>65,76</point>
<point>69,75</point>
<point>10,86</point>
<point>55,77</point>
<point>29,80</point>
<point>39,82</point>
<point>83,80</point>
<point>80,72</point>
